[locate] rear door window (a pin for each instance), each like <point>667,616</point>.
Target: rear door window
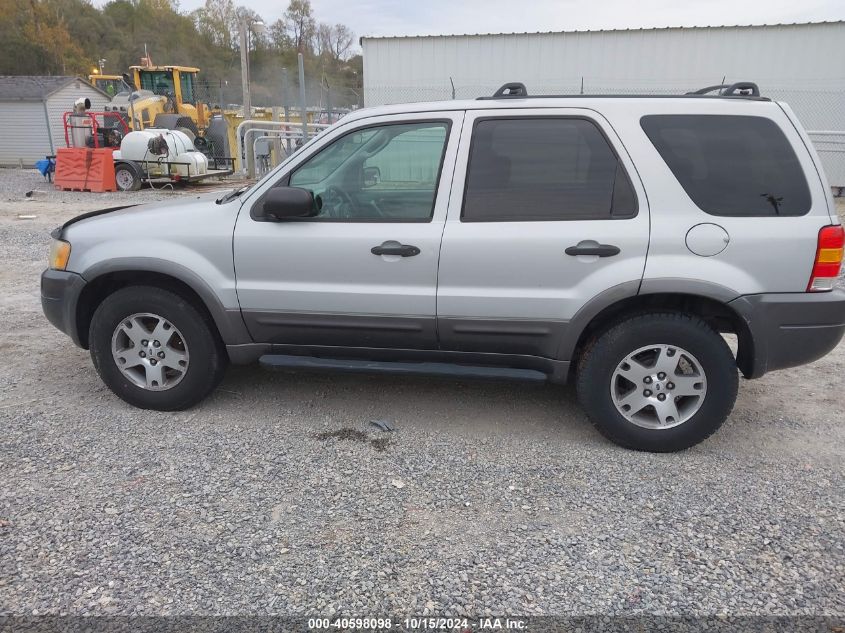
<point>731,165</point>
<point>539,168</point>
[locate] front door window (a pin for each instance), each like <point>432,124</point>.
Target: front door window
<point>387,173</point>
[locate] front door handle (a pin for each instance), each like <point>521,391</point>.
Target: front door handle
<point>393,248</point>
<point>589,247</point>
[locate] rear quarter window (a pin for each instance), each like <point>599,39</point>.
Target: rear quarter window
<point>731,165</point>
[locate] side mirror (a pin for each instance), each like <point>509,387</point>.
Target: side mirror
<point>288,203</point>
<point>372,176</point>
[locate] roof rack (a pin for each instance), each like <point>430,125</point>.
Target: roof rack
<point>514,89</point>
<point>739,90</point>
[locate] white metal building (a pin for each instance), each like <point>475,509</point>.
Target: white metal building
<point>802,64</point>
<point>31,109</point>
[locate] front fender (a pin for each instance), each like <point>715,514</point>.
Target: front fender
<point>214,289</point>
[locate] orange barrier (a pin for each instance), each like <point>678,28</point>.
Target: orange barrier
<point>85,169</point>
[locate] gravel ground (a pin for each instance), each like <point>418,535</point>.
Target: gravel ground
<point>276,495</point>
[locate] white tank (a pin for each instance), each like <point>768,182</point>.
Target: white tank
<point>177,146</point>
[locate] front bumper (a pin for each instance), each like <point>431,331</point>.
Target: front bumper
<point>60,291</point>
<point>789,329</point>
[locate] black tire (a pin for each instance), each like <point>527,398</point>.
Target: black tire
<point>174,122</point>
<point>125,173</point>
<point>187,133</point>
<point>604,353</point>
<point>201,143</point>
<point>207,357</point>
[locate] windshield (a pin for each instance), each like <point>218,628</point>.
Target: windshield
<point>112,86</point>
<point>159,82</point>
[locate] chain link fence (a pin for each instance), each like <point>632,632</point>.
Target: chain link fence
<point>375,94</point>
<point>273,102</point>
<point>821,98</point>
<point>319,95</point>
<point>821,109</point>
<point>264,142</point>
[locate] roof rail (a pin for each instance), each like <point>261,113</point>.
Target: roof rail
<point>513,89</point>
<point>739,89</point>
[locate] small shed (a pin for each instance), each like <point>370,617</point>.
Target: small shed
<point>31,109</point>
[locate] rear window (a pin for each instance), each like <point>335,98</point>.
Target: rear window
<point>731,165</point>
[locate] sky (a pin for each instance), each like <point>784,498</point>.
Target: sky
<point>443,17</point>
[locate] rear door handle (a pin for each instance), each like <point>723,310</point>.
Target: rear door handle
<point>403,250</point>
<point>593,248</point>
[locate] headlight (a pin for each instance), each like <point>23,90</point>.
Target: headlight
<point>59,254</point>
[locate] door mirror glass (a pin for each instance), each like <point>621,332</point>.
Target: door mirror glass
<point>287,203</point>
<point>372,176</point>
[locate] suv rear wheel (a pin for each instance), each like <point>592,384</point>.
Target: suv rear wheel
<point>658,382</point>
<point>154,349</point>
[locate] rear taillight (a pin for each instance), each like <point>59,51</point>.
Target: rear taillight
<point>828,259</point>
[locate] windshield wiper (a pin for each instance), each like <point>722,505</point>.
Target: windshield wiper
<point>234,193</point>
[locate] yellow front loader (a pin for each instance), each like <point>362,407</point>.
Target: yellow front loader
<point>110,84</point>
<point>176,87</point>
<point>166,97</point>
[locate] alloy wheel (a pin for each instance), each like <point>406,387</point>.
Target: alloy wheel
<point>150,351</point>
<point>658,386</point>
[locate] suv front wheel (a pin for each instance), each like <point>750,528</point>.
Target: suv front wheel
<point>154,349</point>
<point>658,382</point>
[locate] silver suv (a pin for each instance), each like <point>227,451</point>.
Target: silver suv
<point>605,240</point>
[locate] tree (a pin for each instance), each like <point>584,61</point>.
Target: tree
<point>301,24</point>
<point>278,35</point>
<point>218,21</point>
<point>323,39</point>
<point>46,29</point>
<point>49,37</point>
<point>334,41</point>
<point>341,41</point>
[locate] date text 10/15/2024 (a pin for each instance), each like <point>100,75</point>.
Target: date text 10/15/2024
<point>460,625</point>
